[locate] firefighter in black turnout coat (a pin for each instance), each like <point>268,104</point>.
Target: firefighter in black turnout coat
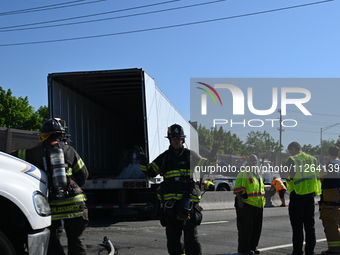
<point>66,198</point>
<point>179,195</point>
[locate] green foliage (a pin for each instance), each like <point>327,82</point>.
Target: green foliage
<point>311,150</point>
<point>229,143</point>
<point>338,143</point>
<point>44,113</point>
<point>17,113</point>
<point>317,151</point>
<point>256,142</point>
<point>261,142</point>
<point>205,137</point>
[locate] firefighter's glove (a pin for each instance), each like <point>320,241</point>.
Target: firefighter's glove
<point>141,156</point>
<point>184,208</point>
<point>183,215</point>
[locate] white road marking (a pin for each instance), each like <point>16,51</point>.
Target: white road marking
<point>213,222</point>
<point>286,245</point>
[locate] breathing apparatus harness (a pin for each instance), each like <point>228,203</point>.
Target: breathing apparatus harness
<point>54,162</point>
<point>184,206</point>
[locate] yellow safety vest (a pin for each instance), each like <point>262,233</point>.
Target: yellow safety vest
<point>307,175</point>
<point>247,183</point>
<point>207,184</point>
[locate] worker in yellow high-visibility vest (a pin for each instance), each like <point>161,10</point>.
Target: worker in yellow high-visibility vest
<point>304,184</point>
<point>249,203</point>
<point>209,185</point>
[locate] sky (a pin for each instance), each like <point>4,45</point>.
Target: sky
<point>175,41</point>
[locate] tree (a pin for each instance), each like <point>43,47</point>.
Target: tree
<point>229,143</point>
<point>338,143</point>
<point>325,146</point>
<point>310,149</point>
<point>44,113</point>
<point>204,137</point>
<point>17,113</point>
<point>261,142</point>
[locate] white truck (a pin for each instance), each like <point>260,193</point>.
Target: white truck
<point>108,113</point>
<point>224,183</point>
<point>25,212</point>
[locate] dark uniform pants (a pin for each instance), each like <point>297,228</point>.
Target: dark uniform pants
<point>74,229</point>
<point>249,226</point>
<point>174,230</point>
<point>301,213</point>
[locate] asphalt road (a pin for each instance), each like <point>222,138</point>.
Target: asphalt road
<point>218,234</point>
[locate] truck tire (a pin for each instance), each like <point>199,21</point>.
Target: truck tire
<point>223,187</point>
<point>6,246</point>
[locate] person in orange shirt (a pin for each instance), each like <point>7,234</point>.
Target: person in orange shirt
<point>281,189</point>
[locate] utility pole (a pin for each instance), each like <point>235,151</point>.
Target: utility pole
<point>280,130</point>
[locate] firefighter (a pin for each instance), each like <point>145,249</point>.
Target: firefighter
<point>249,204</point>
<point>67,201</point>
<point>280,189</point>
<point>179,195</point>
<point>330,202</point>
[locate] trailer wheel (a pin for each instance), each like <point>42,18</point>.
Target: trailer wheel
<point>6,246</point>
<point>223,187</point>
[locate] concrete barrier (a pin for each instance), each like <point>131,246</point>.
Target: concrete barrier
<point>218,200</point>
<point>273,199</point>
<point>223,200</point>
